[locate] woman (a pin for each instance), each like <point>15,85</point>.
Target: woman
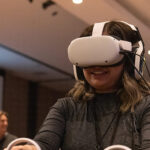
<point>108,105</point>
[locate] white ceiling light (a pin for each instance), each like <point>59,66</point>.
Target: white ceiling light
<point>77,1</point>
<point>148,52</point>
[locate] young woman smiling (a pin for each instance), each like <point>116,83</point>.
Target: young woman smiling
<point>107,106</point>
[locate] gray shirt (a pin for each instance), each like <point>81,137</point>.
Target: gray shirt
<point>73,126</point>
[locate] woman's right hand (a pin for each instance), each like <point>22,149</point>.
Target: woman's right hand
<point>23,147</point>
<point>16,144</point>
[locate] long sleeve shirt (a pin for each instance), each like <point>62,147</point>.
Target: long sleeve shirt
<point>73,126</point>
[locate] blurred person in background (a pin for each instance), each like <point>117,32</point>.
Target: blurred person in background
<point>5,136</point>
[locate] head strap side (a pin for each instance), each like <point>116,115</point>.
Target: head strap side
<point>98,28</point>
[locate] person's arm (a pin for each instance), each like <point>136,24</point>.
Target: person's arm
<point>145,129</point>
<point>51,133</point>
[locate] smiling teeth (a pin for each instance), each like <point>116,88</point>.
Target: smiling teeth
<point>98,72</point>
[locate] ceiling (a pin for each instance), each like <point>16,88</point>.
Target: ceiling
<point>34,39</point>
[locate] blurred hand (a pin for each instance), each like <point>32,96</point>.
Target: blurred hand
<point>16,144</point>
<point>23,147</point>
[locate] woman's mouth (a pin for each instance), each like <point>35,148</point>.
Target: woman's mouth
<point>98,72</point>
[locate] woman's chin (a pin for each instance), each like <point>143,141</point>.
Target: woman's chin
<point>103,88</point>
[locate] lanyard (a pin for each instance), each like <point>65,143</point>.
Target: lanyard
<point>99,136</point>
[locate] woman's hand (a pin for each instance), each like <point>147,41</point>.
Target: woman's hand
<point>16,144</point>
<point>23,147</point>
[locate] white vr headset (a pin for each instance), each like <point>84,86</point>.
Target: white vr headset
<point>102,50</point>
<point>97,50</point>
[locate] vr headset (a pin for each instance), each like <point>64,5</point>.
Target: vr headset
<point>103,50</point>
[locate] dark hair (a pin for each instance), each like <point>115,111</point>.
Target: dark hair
<point>131,90</point>
<point>3,113</point>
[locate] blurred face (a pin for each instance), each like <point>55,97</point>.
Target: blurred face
<point>103,79</point>
<point>3,124</point>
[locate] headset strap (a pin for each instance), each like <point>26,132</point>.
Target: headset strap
<point>98,28</point>
<point>138,56</point>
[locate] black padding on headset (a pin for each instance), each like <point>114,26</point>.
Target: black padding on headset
<point>141,62</point>
<point>130,58</point>
<point>79,72</point>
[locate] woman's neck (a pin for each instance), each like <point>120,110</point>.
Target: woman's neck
<point>106,91</point>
